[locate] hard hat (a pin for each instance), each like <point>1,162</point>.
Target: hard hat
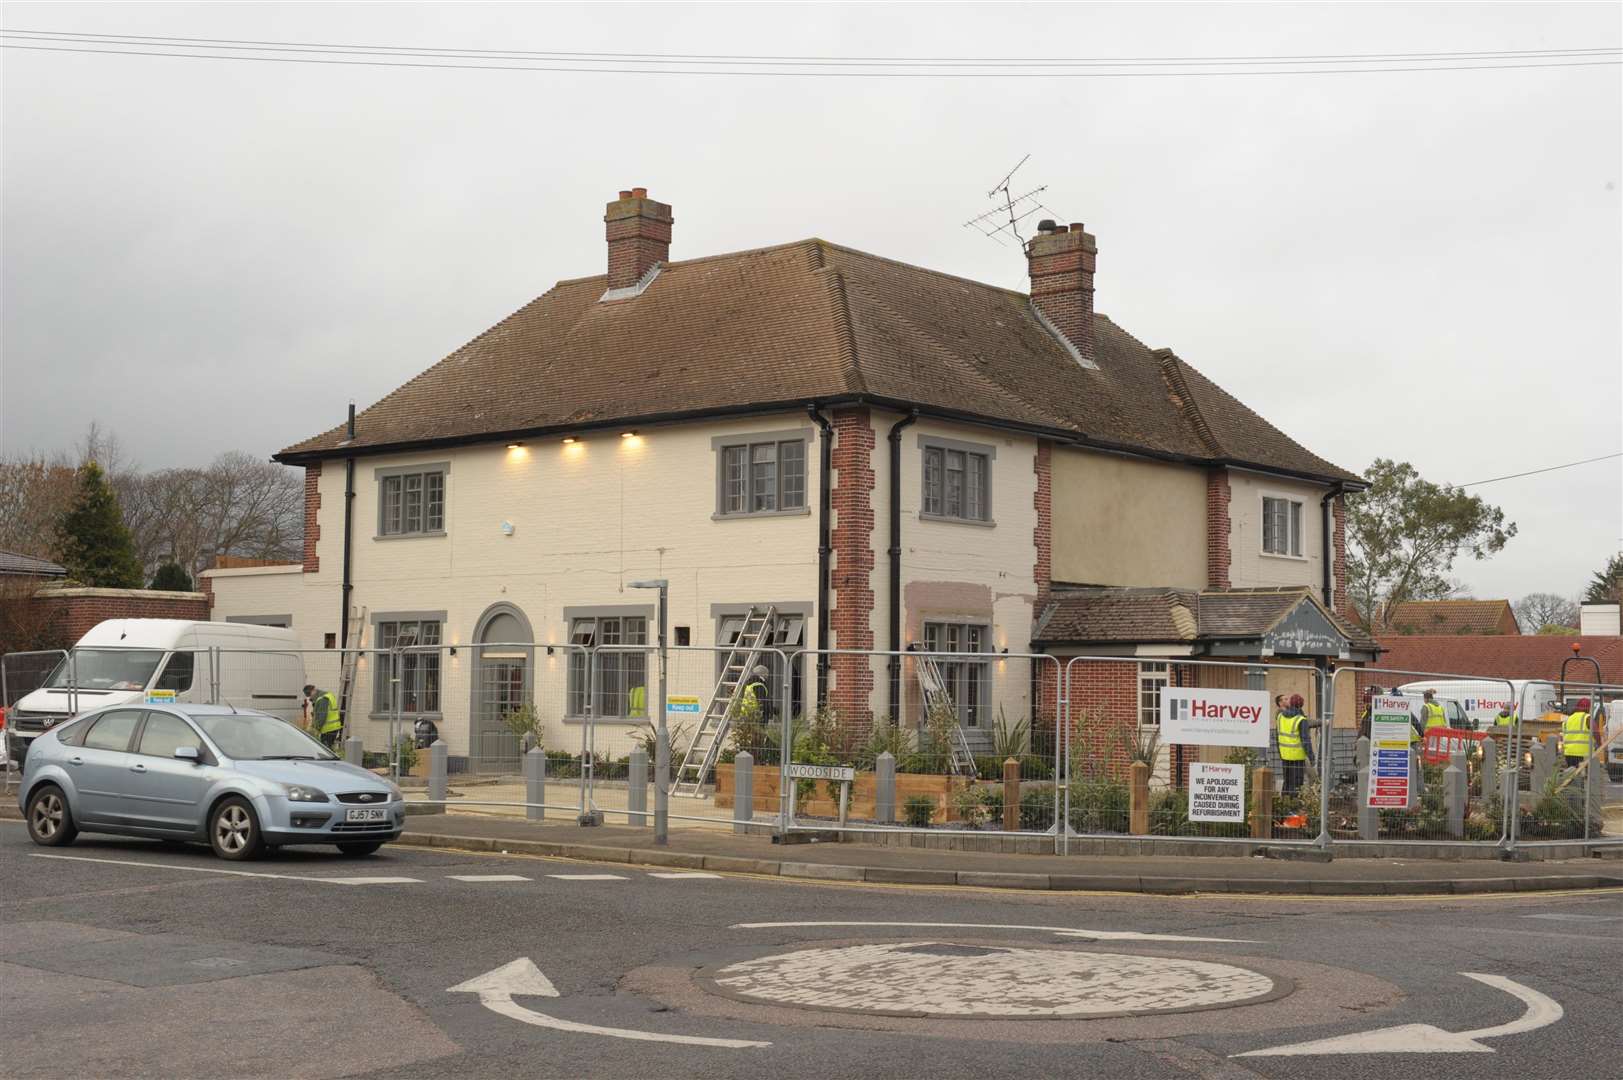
<point>1583,704</point>
<point>761,670</point>
<point>1296,701</point>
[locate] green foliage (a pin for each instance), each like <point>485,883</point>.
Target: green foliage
<point>171,577</point>
<point>1010,740</point>
<point>970,804</point>
<point>406,751</point>
<point>917,811</point>
<point>1244,755</point>
<point>95,545</point>
<point>523,722</point>
<point>1404,533</point>
<point>885,738</point>
<point>1140,744</point>
<point>1099,804</point>
<point>1606,587</point>
<point>1551,630</point>
<point>1169,812</point>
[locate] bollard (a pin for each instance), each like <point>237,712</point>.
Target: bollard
<point>1417,780</point>
<point>1490,772</point>
<point>437,765</point>
<point>1138,812</point>
<point>1454,794</point>
<point>535,784</point>
<point>1543,768</point>
<point>884,806</point>
<point>1262,804</point>
<point>1011,795</point>
<point>743,791</point>
<point>662,785</point>
<point>1369,818</point>
<point>845,802</point>
<point>352,750</point>
<point>637,788</point>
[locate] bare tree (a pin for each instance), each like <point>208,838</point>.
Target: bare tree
<point>238,505</point>
<point>1537,610</point>
<point>34,493</point>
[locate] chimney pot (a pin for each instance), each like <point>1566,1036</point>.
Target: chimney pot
<point>1062,261</point>
<point>1046,225</point>
<point>1076,226</point>
<point>639,193</point>
<point>625,194</point>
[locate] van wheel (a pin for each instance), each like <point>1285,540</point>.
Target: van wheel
<point>234,830</point>
<point>359,850</point>
<point>50,822</point>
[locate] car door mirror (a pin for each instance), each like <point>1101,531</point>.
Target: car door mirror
<point>188,753</point>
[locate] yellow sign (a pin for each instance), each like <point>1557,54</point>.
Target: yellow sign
<point>160,697</point>
<point>681,703</point>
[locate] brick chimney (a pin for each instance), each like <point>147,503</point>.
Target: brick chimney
<point>1062,261</point>
<point>639,235</point>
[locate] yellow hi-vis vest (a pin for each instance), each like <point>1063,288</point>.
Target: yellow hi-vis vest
<point>638,705</point>
<point>1435,715</point>
<point>1290,738</point>
<point>335,719</point>
<point>1502,720</point>
<point>1575,735</point>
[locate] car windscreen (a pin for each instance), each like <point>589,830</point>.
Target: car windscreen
<point>253,737</point>
<point>106,669</point>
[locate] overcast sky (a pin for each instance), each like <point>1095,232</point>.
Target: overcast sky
<point>208,256</point>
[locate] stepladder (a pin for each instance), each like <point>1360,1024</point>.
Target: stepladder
<point>933,688</point>
<point>738,663</point>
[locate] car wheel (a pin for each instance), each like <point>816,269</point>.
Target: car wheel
<point>50,822</point>
<point>359,850</point>
<point>234,831</point>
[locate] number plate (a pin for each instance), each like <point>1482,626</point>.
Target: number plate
<point>373,813</point>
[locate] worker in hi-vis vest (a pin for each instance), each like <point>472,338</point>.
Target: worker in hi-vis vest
<point>1432,713</point>
<point>1295,748</point>
<point>326,722</point>
<point>759,691</point>
<point>1576,737</point>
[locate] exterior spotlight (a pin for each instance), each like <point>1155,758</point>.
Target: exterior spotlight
<point>628,434</point>
<point>515,446</point>
<point>570,440</point>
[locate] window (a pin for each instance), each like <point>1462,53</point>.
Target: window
<point>164,734</point>
<point>765,477</point>
<point>968,682</point>
<point>411,502</point>
<point>177,673</point>
<point>957,483</point>
<point>622,677</point>
<point>113,731</point>
<point>418,672</point>
<point>788,635</point>
<point>1281,527</point>
<point>1152,676</point>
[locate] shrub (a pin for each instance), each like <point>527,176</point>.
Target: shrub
<point>1010,740</point>
<point>918,810</point>
<point>525,724</point>
<point>1036,807</point>
<point>969,804</point>
<point>1099,805</point>
<point>885,738</point>
<point>406,751</point>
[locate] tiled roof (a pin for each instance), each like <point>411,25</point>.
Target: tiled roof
<point>19,565</point>
<point>1452,617</point>
<point>1078,615</point>
<point>806,321</point>
<point>1505,656</point>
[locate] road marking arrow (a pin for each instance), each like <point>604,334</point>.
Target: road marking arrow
<point>1426,1039</point>
<point>521,978</point>
<point>1062,931</point>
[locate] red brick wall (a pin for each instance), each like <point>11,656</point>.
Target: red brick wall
<point>851,616</point>
<point>1219,557</point>
<point>1103,708</point>
<point>639,235</point>
<point>1338,565</point>
<point>205,585</point>
<point>80,609</point>
<point>312,523</point>
<point>1042,536</point>
<point>1062,266</point>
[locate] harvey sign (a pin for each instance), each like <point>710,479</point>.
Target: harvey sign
<point>1201,717</point>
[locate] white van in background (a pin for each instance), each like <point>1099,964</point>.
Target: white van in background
<point>1479,700</point>
<point>120,660</point>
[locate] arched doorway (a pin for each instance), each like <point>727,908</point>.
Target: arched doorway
<point>503,681</point>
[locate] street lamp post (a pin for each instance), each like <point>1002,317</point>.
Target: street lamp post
<point>662,734</point>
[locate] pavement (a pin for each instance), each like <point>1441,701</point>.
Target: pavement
<point>129,958</point>
<point>705,848</point>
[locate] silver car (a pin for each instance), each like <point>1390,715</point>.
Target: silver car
<point>243,781</point>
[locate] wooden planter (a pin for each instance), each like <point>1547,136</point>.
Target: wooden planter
<point>820,804</point>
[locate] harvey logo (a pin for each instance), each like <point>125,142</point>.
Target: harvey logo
<point>1203,717</point>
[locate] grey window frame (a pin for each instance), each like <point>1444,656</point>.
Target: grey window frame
<point>933,505</point>
<point>789,614</point>
<point>382,705</point>
<point>618,665</point>
<point>1293,523</point>
<point>960,675</point>
<point>405,473</point>
<point>740,502</point>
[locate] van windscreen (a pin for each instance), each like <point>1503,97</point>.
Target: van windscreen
<point>106,669</point>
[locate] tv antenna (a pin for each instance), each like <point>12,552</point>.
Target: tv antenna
<point>1013,209</point>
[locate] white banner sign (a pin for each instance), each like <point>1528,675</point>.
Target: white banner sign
<point>1199,717</point>
<point>1216,792</point>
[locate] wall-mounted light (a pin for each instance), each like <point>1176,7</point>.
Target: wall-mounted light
<point>549,650</point>
<point>628,434</point>
<point>515,446</point>
<point>453,650</point>
<point>570,440</point>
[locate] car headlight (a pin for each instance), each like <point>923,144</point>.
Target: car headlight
<point>300,793</point>
<point>395,794</point>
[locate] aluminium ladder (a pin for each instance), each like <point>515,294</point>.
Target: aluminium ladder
<point>755,635</point>
<point>350,659</point>
<point>933,685</point>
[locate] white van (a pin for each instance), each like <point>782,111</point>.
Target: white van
<point>122,660</point>
<point>1479,700</point>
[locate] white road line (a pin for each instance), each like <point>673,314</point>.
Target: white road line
<point>588,877</point>
<point>229,873</point>
<point>487,877</point>
<point>1063,931</point>
<point>678,876</point>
